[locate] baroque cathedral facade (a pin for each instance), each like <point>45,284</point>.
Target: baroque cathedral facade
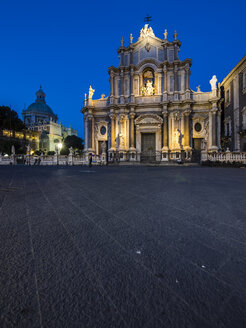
<point>151,112</point>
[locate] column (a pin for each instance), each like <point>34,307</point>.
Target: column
<point>170,130</point>
<point>165,131</point>
<point>132,80</point>
<point>86,132</point>
<point>182,128</point>
<point>187,130</point>
<point>140,83</point>
<point>122,83</point>
<point>112,117</point>
<point>165,53</point>
<point>214,134</point>
<point>219,129</point>
<point>210,118</point>
<point>165,78</point>
<point>156,84</point>
<point>132,142</point>
<point>111,83</point>
<point>93,133</point>
<point>187,84</point>
<point>89,132</point>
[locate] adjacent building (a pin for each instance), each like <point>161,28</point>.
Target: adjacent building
<point>234,108</point>
<point>151,112</point>
<point>40,117</point>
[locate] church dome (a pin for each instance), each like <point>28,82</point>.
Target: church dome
<point>40,106</point>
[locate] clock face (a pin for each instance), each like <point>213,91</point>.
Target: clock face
<point>198,127</point>
<point>103,130</point>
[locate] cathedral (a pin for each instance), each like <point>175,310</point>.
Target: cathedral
<point>151,114</point>
<point>40,117</point>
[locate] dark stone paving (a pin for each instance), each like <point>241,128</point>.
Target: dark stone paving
<point>122,247</point>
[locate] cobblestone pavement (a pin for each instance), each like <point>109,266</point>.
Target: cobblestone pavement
<point>122,247</point>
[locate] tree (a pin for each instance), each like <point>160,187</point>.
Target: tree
<point>73,141</point>
<point>9,119</point>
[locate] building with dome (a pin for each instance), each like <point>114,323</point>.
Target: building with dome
<point>40,117</point>
<point>151,113</point>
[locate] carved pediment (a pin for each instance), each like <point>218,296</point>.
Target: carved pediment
<point>148,119</point>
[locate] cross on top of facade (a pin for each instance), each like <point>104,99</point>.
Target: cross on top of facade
<point>148,18</point>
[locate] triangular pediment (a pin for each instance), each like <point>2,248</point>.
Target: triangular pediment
<point>148,119</point>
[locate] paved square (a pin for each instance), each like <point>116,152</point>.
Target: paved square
<point>122,247</point>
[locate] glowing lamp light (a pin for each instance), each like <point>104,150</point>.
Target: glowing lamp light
<point>60,145</point>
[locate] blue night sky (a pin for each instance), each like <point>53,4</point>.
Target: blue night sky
<point>67,45</point>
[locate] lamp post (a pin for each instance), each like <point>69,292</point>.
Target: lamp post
<point>59,146</point>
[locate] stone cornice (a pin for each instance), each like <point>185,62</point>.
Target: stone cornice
<point>234,71</point>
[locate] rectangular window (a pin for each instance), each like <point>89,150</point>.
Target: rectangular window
<point>126,60</point>
<point>171,55</point>
<point>171,86</point>
<point>227,129</point>
<point>126,87</point>
<point>179,82</point>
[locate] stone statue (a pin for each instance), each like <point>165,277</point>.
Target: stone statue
<point>176,139</point>
<point>149,89</point>
<point>181,136</point>
<point>104,146</point>
<point>213,82</point>
<point>175,35</point>
<point>146,31</point>
<point>122,42</point>
<point>121,140</point>
<point>85,96</point>
<point>28,149</point>
<point>91,92</point>
<point>13,150</point>
<point>198,89</point>
<point>165,34</point>
<point>71,151</point>
<point>131,38</point>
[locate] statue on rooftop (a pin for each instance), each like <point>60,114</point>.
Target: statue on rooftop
<point>91,92</point>
<point>165,34</point>
<point>146,31</point>
<point>213,82</point>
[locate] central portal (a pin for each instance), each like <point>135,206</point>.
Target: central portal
<point>148,153</point>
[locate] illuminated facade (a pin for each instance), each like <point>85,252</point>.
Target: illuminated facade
<point>40,117</point>
<point>23,137</point>
<point>151,112</point>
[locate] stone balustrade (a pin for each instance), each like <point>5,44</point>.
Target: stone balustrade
<point>54,160</point>
<point>224,157</point>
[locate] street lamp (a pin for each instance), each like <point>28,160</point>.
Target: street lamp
<point>59,146</point>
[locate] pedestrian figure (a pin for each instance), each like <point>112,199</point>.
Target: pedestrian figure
<point>90,160</point>
<point>117,157</point>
